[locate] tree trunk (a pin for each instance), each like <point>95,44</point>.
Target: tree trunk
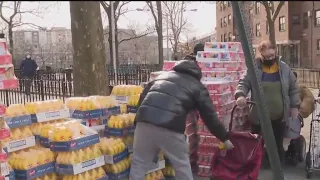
<point>90,74</point>
<point>159,31</point>
<point>10,35</point>
<point>110,40</point>
<point>272,34</point>
<point>116,43</point>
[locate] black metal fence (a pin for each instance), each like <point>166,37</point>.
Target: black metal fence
<point>51,84</point>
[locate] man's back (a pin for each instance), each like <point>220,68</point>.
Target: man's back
<point>171,97</point>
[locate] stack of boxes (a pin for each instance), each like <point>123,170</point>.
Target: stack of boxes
<point>222,65</point>
<point>7,78</point>
<point>7,81</point>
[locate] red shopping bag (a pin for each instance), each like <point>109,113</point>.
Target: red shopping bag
<point>243,162</point>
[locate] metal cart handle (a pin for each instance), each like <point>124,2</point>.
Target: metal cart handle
<point>232,112</point>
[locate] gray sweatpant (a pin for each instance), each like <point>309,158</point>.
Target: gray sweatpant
<point>148,141</point>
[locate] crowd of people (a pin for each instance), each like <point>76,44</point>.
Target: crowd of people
<point>166,101</point>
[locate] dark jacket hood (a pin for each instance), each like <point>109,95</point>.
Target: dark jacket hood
<point>188,67</point>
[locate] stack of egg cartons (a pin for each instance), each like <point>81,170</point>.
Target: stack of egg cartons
<point>7,78</point>
<point>222,64</point>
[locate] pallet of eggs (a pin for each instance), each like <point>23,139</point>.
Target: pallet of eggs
<point>8,79</point>
<point>78,154</point>
<point>5,168</point>
<point>93,111</point>
<point>123,125</point>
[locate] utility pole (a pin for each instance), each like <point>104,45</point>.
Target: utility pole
<point>113,42</point>
<point>265,121</point>
<point>168,54</point>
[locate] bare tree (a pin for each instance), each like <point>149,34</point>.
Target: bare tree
<point>90,73</point>
<point>156,11</point>
<point>120,9</point>
<point>177,22</point>
<point>14,18</point>
<point>272,14</point>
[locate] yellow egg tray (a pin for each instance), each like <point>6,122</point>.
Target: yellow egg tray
<point>157,166</point>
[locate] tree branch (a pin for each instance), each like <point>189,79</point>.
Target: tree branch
<point>1,13</point>
<point>274,16</point>
<point>136,37</point>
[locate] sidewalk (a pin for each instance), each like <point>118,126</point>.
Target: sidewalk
<point>291,173</point>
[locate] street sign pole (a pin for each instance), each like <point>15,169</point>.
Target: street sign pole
<point>265,121</point>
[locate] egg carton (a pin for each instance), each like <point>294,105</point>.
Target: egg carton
<point>50,115</point>
<point>18,121</point>
<point>81,167</point>
<point>35,172</point>
<point>89,139</point>
<point>112,159</point>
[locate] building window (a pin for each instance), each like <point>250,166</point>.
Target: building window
<point>230,36</point>
<point>221,22</point>
<point>250,12</point>
<point>295,19</point>
<point>305,20</point>
<point>229,4</point>
<point>221,6</point>
<point>225,39</point>
<point>254,51</point>
<point>221,37</point>
<point>267,27</point>
<point>229,19</point>
<point>282,23</point>
<point>317,16</point>
<point>258,30</point>
<point>225,21</point>
<point>257,6</point>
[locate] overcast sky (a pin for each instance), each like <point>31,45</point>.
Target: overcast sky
<point>200,23</point>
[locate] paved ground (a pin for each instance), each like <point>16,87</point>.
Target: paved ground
<point>291,173</point>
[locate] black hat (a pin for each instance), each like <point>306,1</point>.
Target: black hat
<point>198,47</point>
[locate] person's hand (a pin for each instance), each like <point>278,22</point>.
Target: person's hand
<point>228,145</point>
<point>241,101</point>
<point>301,120</point>
<point>294,112</point>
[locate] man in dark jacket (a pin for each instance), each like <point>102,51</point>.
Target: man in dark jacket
<point>197,47</point>
<point>161,119</point>
<point>28,69</point>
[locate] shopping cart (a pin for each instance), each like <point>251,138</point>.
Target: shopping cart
<point>313,154</point>
<point>244,161</point>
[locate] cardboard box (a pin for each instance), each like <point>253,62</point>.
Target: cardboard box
<point>155,167</point>
<point>18,121</point>
<point>6,71</point>
<point>107,112</point>
<point>75,144</point>
<point>122,175</point>
<point>121,99</point>
<point>116,158</point>
<point>9,84</point>
<point>132,109</point>
<point>76,114</point>
<point>4,169</point>
<point>78,168</point>
<point>20,144</point>
<point>4,133</point>
<point>35,172</point>
<point>44,142</point>
<point>51,115</point>
<point>119,132</point>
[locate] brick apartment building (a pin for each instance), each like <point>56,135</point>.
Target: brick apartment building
<point>297,29</point>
